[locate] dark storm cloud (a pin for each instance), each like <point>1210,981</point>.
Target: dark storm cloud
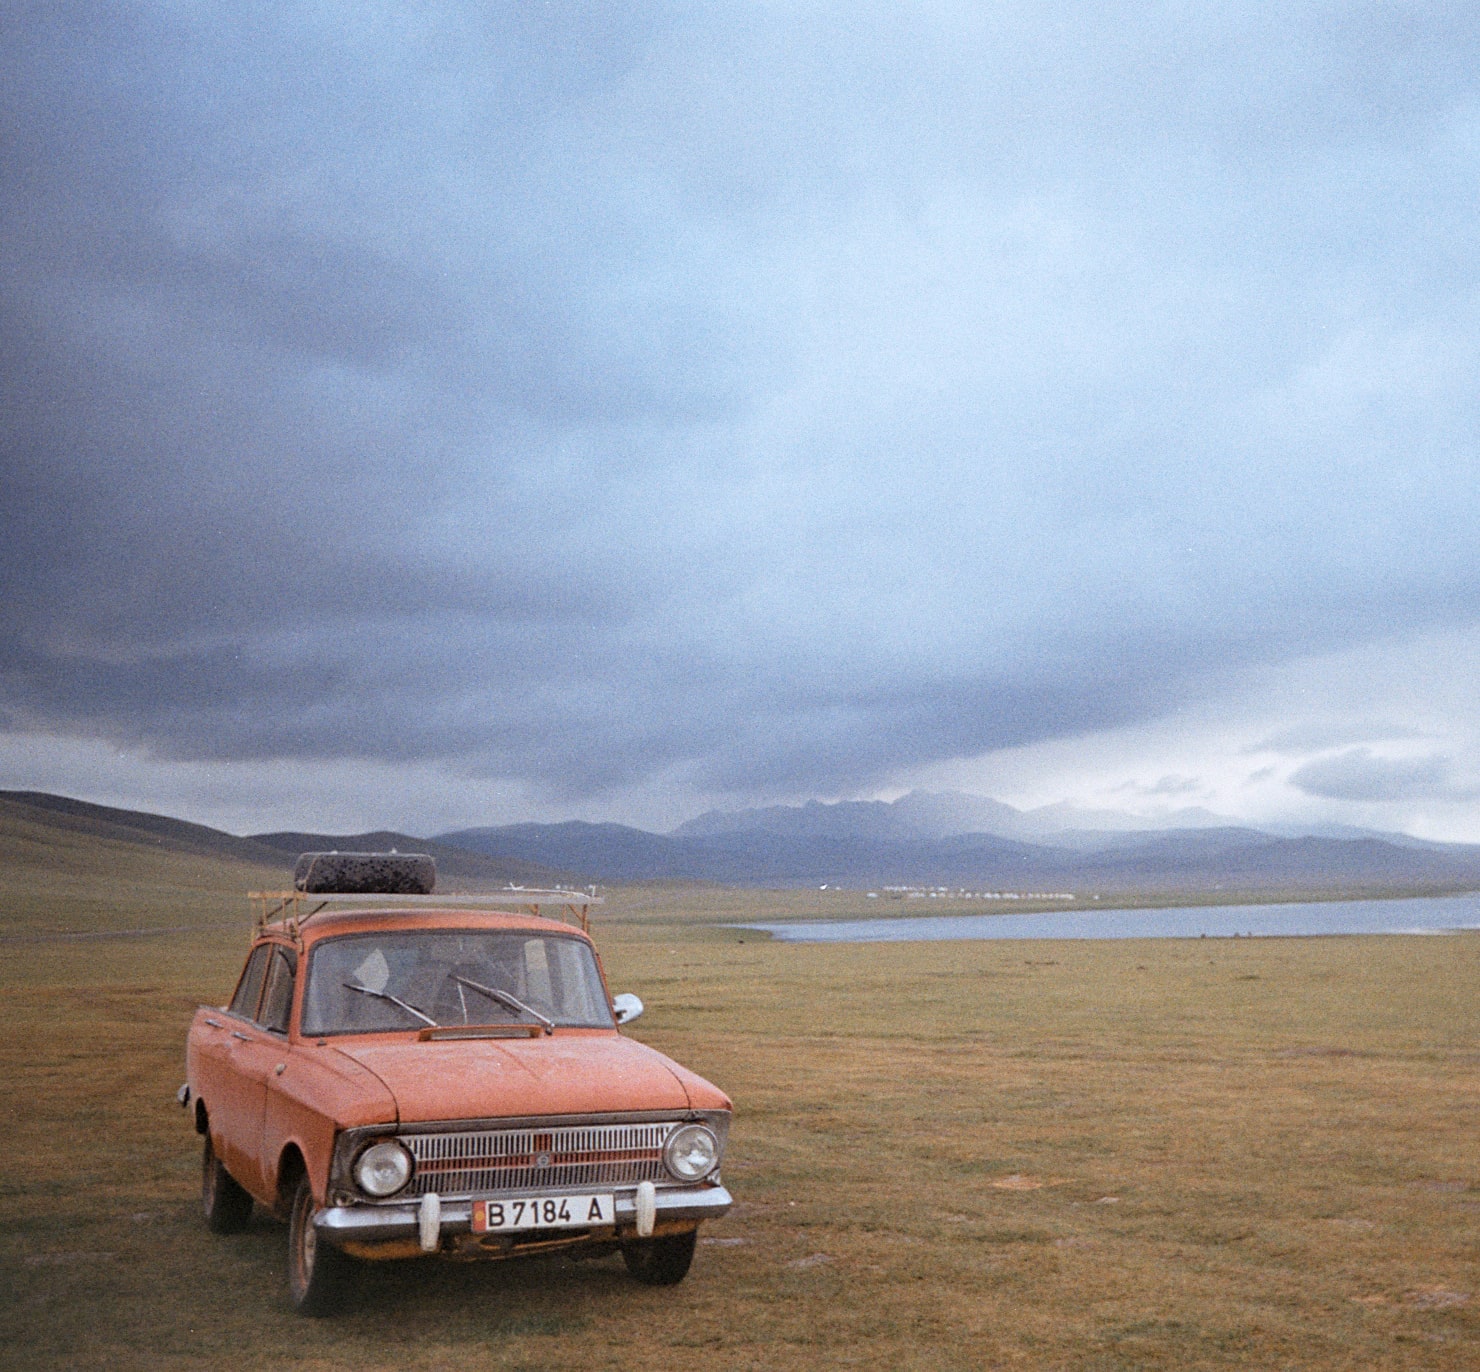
<point>773,398</point>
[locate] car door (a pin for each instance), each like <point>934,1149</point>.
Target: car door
<point>220,1083</point>
<point>258,1053</point>
<point>271,1056</point>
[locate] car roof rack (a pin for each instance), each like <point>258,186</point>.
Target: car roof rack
<point>295,908</point>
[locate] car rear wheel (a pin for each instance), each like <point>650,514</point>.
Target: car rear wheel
<point>226,1205</point>
<point>317,1273</point>
<point>660,1262</point>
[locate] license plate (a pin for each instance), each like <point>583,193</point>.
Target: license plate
<point>543,1212</point>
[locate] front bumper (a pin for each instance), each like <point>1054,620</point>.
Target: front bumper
<point>343,1224</point>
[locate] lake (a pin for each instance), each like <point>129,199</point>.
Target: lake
<point>1420,915</point>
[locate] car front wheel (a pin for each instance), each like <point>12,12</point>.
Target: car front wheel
<point>317,1272</point>
<point>660,1262</point>
<point>226,1205</point>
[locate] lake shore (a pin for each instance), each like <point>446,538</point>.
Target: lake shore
<point>1313,919</point>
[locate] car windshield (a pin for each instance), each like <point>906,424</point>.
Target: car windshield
<point>367,983</point>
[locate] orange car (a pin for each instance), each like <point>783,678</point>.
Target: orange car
<point>408,1081</point>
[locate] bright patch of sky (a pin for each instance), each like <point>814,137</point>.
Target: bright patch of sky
<point>1386,736</point>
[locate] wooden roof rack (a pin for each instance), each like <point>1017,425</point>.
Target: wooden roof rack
<point>296,908</point>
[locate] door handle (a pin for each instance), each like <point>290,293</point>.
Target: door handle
<point>237,1034</point>
<point>214,1023</point>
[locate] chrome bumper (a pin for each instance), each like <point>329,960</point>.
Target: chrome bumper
<point>341,1224</point>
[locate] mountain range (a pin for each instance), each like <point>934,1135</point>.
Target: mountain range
<point>945,814</point>
<point>919,840</point>
<point>920,814</point>
<point>955,839</point>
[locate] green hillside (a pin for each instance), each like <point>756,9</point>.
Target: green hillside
<point>88,870</point>
<point>68,866</point>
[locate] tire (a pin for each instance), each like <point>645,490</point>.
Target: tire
<point>660,1262</point>
<point>317,1273</point>
<point>227,1207</point>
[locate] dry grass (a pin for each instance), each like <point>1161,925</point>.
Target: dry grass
<point>1258,1153</point>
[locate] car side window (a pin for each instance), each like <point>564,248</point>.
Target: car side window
<point>249,989</point>
<point>277,999</point>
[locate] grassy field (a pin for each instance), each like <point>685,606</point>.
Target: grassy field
<point>1251,1153</point>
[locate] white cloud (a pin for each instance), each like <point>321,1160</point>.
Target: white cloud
<point>1409,699</point>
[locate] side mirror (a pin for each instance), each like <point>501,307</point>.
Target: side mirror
<point>627,1007</point>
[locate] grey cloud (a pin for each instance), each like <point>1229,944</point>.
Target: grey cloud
<point>1361,775</point>
<point>1169,785</point>
<point>775,400</point>
<point>1317,736</point>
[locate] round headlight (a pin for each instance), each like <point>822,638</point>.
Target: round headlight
<point>691,1152</point>
<point>383,1168</point>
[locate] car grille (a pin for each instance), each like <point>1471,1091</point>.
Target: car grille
<point>535,1159</point>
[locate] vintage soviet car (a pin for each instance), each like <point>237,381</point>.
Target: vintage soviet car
<point>434,1079</point>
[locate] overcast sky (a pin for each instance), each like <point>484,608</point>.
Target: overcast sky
<point>428,415</point>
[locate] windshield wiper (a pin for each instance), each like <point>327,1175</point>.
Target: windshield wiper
<point>394,1000</point>
<point>510,1002</point>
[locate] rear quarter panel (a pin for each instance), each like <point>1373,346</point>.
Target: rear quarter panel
<point>205,1055</point>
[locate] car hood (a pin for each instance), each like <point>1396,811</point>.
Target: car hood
<point>557,1074</point>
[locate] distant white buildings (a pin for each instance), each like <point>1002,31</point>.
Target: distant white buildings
<point>956,893</point>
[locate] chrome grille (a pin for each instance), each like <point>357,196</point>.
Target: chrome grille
<point>482,1161</point>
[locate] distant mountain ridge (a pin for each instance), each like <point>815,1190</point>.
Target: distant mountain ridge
<point>615,852</point>
<point>936,815</point>
<point>957,839</point>
<point>859,844</point>
<point>919,815</point>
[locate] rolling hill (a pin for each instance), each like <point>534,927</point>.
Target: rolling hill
<point>68,866</point>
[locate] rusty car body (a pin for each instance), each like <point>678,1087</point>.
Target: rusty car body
<point>428,1079</point>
